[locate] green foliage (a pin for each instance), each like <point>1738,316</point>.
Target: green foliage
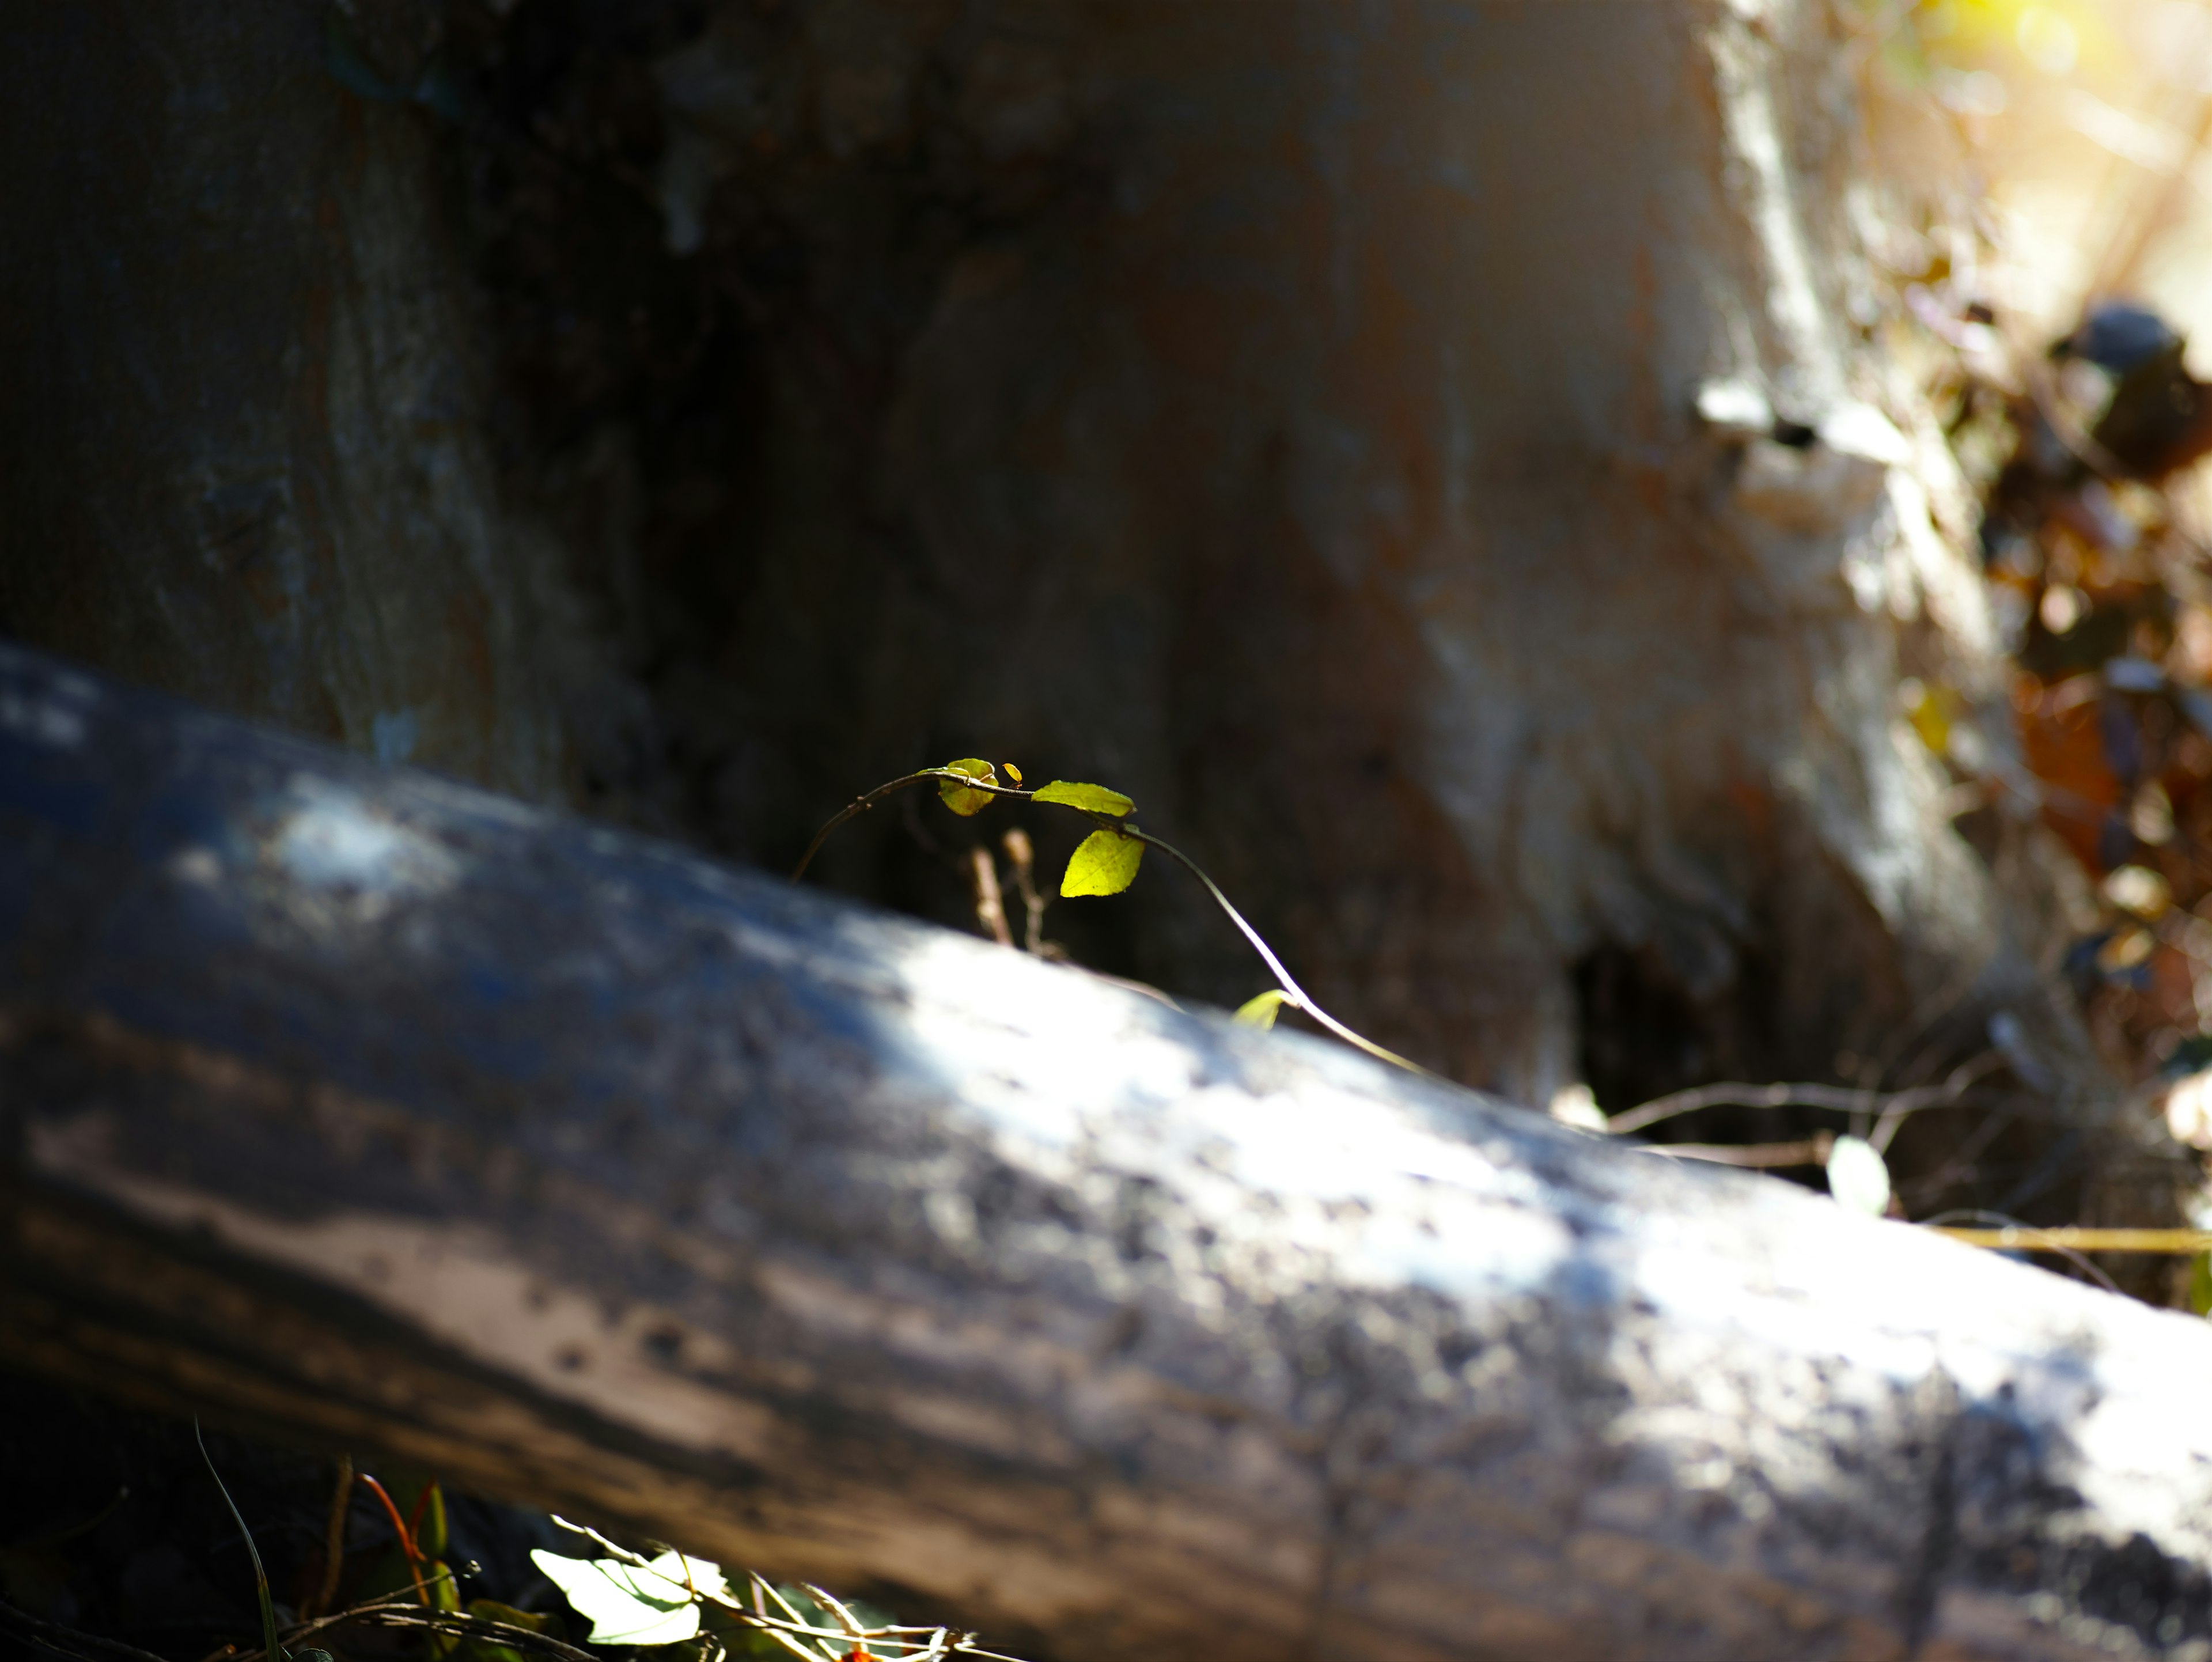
<point>959,798</point>
<point>1261,1012</point>
<point>1091,798</point>
<point>427,1522</point>
<point>2200,1284</point>
<point>1104,862</point>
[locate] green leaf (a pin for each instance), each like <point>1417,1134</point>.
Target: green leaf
<point>1261,1012</point>
<point>1092,799</point>
<point>438,1581</point>
<point>961,800</point>
<point>1104,862</point>
<point>2200,1284</point>
<point>633,1604</point>
<point>430,1531</point>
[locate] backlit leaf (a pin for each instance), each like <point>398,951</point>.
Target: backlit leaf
<point>631,1603</point>
<point>1857,1176</point>
<point>1013,773</point>
<point>957,797</point>
<point>1261,1012</point>
<point>1094,799</point>
<point>1104,862</point>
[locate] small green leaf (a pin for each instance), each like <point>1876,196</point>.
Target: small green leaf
<point>631,1603</point>
<point>438,1581</point>
<point>1093,799</point>
<point>427,1520</point>
<point>2200,1284</point>
<point>958,798</point>
<point>1261,1012</point>
<point>1104,862</point>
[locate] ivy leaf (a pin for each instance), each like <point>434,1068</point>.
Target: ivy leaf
<point>633,1604</point>
<point>1261,1012</point>
<point>1093,799</point>
<point>961,800</point>
<point>1104,862</point>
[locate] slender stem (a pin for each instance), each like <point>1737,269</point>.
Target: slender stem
<point>334,1532</point>
<point>1810,1151</point>
<point>1298,995</point>
<point>406,1541</point>
<point>862,804</point>
<point>990,900</point>
<point>1894,1107</point>
<point>858,805</point>
<point>51,1635</point>
<point>2174,1242</point>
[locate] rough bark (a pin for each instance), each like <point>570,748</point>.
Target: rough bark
<point>374,1112</point>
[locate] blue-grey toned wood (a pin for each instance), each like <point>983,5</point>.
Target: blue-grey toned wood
<point>369,1111</point>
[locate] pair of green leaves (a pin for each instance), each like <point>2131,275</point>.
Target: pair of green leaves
<point>1105,862</point>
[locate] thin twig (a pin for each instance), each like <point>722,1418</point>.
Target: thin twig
<point>1298,995</point>
<point>862,804</point>
<point>614,1550</point>
<point>2070,1254</point>
<point>1812,1151</point>
<point>990,901</point>
<point>1024,856</point>
<point>1894,1107</point>
<point>461,1623</point>
<point>918,1644</point>
<point>394,1610</point>
<point>53,1634</point>
<point>334,1530</point>
<point>2169,1242</point>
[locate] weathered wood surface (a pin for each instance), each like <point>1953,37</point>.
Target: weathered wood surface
<point>369,1111</point>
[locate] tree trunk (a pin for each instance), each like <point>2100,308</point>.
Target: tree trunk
<point>383,1114</point>
<point>699,414</point>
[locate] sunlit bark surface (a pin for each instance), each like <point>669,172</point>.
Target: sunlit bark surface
<point>354,1108</point>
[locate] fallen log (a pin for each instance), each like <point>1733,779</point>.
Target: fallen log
<point>364,1111</point>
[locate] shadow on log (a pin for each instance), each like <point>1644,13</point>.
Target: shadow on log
<point>374,1112</point>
